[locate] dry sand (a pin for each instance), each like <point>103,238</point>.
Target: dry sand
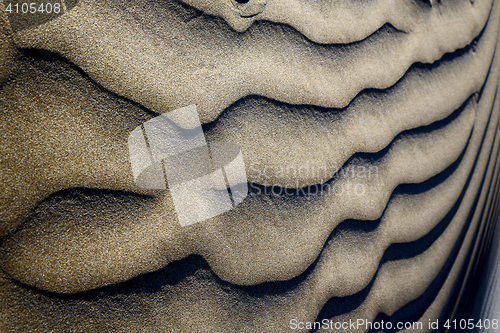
<point>307,89</point>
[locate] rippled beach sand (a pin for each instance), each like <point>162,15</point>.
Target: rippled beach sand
<point>369,135</point>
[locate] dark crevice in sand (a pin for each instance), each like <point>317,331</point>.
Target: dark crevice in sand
<point>461,302</point>
<point>414,310</point>
<point>421,131</point>
<point>74,201</point>
<point>372,159</point>
<point>340,305</point>
<point>173,273</point>
<point>397,251</point>
<point>152,282</point>
<point>182,10</point>
<point>472,293</point>
<point>468,281</point>
<point>49,63</point>
<point>387,30</point>
<point>418,68</point>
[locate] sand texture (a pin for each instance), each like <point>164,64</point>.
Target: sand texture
<point>369,131</point>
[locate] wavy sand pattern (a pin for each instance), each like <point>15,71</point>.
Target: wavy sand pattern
<point>388,111</point>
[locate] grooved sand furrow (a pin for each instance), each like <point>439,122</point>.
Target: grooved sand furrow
<point>218,67</point>
<point>370,122</point>
<point>324,22</point>
<point>337,22</point>
<point>413,105</point>
<point>259,314</point>
<point>414,275</point>
<point>37,254</point>
<point>219,253</point>
<point>236,248</point>
<point>435,309</point>
<point>353,130</point>
<point>488,215</point>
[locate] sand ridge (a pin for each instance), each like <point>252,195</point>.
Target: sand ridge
<point>412,94</point>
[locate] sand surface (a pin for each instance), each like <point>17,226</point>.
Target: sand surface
<point>387,114</point>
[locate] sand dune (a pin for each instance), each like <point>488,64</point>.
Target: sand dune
<point>386,114</point>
